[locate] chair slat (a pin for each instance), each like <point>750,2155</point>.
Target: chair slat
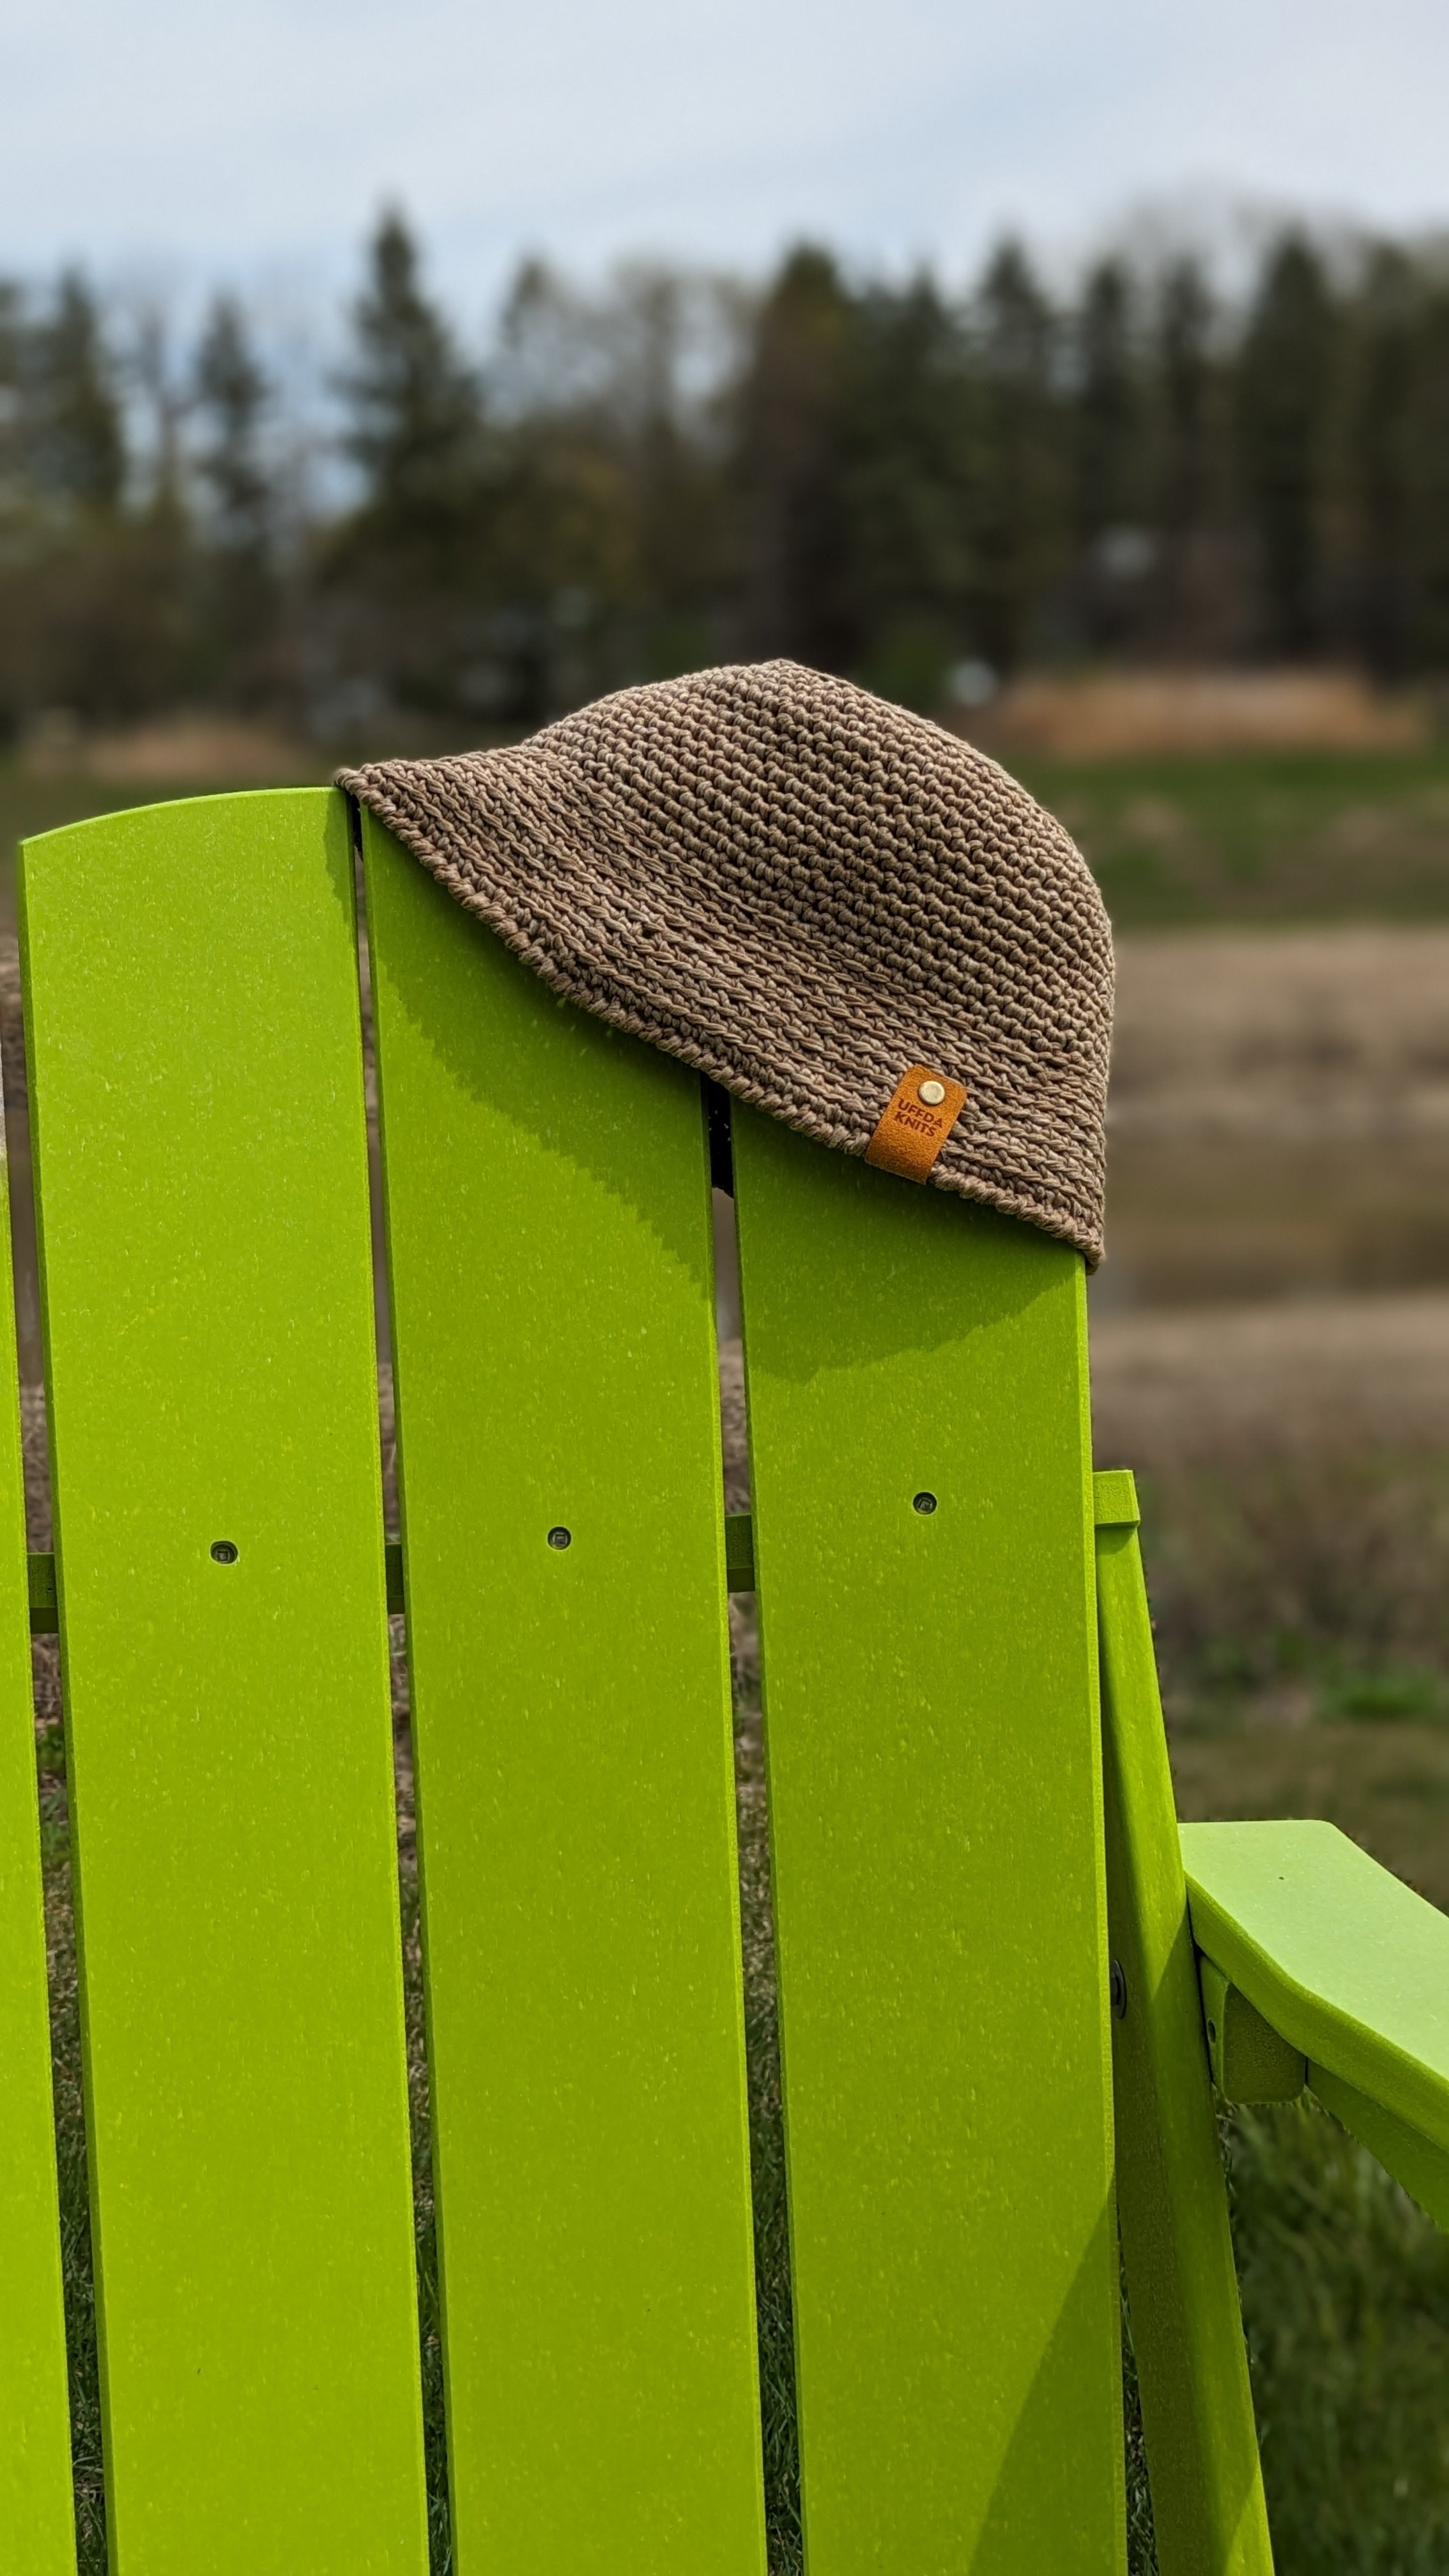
<point>547,1196</point>
<point>197,1095</point>
<point>1187,2330</point>
<point>37,2514</point>
<point>935,1804</point>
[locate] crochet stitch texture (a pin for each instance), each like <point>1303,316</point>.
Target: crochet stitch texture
<point>802,891</point>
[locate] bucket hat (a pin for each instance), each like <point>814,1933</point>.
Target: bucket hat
<point>837,910</point>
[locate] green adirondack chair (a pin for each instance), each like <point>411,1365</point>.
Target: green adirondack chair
<point>1001,1999</point>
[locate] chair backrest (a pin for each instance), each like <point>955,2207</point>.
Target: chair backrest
<point>916,1384</point>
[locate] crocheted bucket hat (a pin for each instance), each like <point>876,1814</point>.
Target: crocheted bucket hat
<point>837,910</point>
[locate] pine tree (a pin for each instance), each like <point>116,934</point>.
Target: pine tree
<point>1428,467</point>
<point>1380,466</point>
<point>1107,414</point>
<point>1186,433</point>
<point>908,490</point>
<point>1286,382</point>
<point>604,459</point>
<point>1107,460</point>
<point>788,468</point>
<point>415,415</point>
<point>73,432</point>
<point>232,397</point>
<point>1018,473</point>
<point>667,462</point>
<point>12,394</point>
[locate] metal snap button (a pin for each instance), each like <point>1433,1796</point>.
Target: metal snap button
<point>933,1093</point>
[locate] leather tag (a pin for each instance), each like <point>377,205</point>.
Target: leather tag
<point>918,1118</point>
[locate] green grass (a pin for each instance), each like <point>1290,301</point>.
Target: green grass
<point>1298,1594</point>
<point>1174,840</point>
<point>1182,841</point>
<point>1346,2304</point>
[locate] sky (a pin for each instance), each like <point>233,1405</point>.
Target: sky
<point>239,141</point>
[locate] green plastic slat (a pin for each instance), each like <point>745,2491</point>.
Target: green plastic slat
<point>1348,1964</point>
<point>1187,2334</point>
<point>934,1789</point>
<point>201,1161</point>
<point>1114,1500</point>
<point>547,1197</point>
<point>1412,2159</point>
<point>740,1552</point>
<point>37,2518</point>
<point>739,1568</point>
<point>40,1578</point>
<point>1247,2059</point>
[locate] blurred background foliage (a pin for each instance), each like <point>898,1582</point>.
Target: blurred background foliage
<point>1179,550</point>
<point>925,489</point>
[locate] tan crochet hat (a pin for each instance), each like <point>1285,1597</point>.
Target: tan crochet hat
<point>835,909</point>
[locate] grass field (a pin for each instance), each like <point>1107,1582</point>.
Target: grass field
<point>1176,841</point>
<point>1279,1117</point>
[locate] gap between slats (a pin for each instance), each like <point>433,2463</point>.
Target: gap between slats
<point>72,2165</point>
<point>409,1894</point>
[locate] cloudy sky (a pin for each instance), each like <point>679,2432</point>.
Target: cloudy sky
<point>247,138</point>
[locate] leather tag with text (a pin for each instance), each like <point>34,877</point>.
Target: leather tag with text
<point>916,1121</point>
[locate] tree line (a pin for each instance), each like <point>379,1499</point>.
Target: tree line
<point>923,489</point>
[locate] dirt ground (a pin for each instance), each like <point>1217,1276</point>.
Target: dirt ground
<point>1111,714</point>
<point>1279,1115</point>
<point>1302,1037</point>
<point>1175,1383</point>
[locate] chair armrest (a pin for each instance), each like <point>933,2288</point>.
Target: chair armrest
<point>1349,1967</point>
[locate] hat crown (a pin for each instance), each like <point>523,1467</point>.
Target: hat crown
<point>803,890</point>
